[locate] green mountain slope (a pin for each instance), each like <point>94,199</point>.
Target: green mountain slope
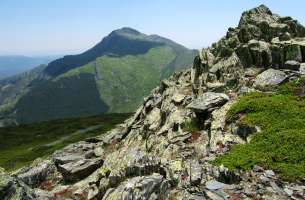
<point>20,145</point>
<point>112,77</point>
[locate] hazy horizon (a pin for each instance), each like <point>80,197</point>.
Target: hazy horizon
<point>59,27</point>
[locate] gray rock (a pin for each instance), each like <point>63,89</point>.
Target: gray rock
<point>75,171</point>
<point>264,179</point>
<point>269,173</point>
<point>288,191</point>
<point>292,65</point>
<point>37,173</point>
<point>214,185</point>
<point>302,68</point>
<point>207,102</point>
<point>195,172</point>
<point>215,196</point>
<point>99,152</point>
<point>257,168</point>
<point>178,98</point>
<point>260,53</point>
<point>270,77</point>
<point>14,189</point>
<point>138,188</point>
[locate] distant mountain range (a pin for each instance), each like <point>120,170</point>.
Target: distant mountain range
<point>111,77</point>
<point>13,65</point>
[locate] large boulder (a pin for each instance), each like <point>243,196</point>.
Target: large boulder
<point>292,65</point>
<point>75,171</point>
<point>269,78</point>
<point>207,102</point>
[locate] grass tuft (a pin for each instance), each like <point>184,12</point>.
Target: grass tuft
<point>281,144</point>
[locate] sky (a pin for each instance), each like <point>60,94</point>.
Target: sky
<point>57,27</point>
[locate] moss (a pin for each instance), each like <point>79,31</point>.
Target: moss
<point>281,144</point>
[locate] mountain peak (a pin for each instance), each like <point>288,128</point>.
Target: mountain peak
<point>257,15</point>
<point>261,9</point>
<point>127,30</point>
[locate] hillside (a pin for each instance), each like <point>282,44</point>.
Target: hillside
<point>21,145</point>
<point>230,127</point>
<point>113,76</point>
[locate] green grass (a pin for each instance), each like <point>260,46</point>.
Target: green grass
<point>281,144</point>
<point>20,145</point>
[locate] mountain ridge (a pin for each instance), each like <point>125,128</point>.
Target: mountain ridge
<point>229,127</point>
<point>124,52</point>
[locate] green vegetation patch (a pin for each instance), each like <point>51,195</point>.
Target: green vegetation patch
<point>123,81</point>
<point>281,144</point>
<point>20,145</point>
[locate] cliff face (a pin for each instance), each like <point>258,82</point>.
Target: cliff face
<point>165,150</point>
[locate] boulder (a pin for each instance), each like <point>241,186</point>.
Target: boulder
<point>207,102</point>
<point>270,77</point>
<point>75,171</point>
<point>11,188</point>
<point>37,173</point>
<point>292,65</point>
<point>214,185</point>
<point>260,53</point>
<point>178,98</point>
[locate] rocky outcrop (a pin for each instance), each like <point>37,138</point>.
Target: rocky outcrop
<point>12,188</point>
<point>164,150</point>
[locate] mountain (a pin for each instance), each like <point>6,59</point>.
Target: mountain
<point>230,127</point>
<point>111,77</point>
<point>13,65</point>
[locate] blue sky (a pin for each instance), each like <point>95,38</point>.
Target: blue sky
<point>48,27</point>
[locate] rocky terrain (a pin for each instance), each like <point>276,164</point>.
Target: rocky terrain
<point>157,153</point>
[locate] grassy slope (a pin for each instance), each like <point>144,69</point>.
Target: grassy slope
<point>281,144</point>
<point>124,81</point>
<point>20,145</point>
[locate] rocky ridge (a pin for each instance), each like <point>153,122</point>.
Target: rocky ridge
<point>156,154</point>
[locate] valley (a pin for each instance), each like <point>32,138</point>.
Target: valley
<point>21,145</point>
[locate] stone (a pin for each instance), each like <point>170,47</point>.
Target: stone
<point>74,171</point>
<point>302,68</point>
<point>214,196</point>
<point>37,173</point>
<point>214,185</point>
<point>207,102</point>
<point>269,173</point>
<point>288,191</point>
<point>195,172</point>
<point>257,168</point>
<point>260,53</point>
<point>99,152</point>
<point>143,187</point>
<point>264,179</point>
<point>269,78</point>
<point>67,158</point>
<point>12,188</point>
<point>178,98</point>
<point>292,65</point>
<point>133,162</point>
